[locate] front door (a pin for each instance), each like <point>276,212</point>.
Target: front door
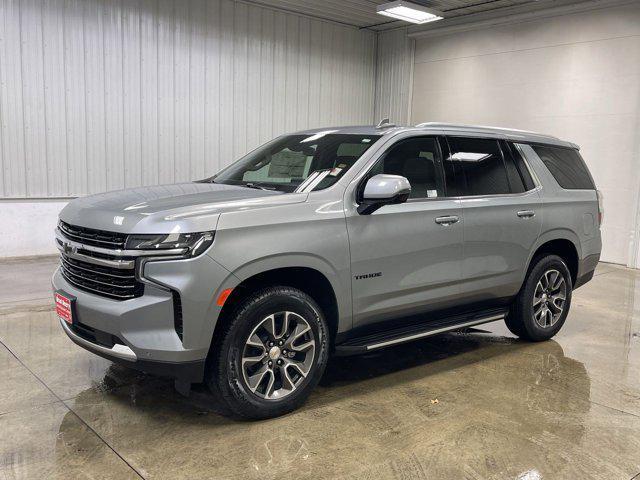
<point>406,258</point>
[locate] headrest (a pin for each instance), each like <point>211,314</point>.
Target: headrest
<point>419,170</point>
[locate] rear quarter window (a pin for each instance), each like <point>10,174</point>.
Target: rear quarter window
<point>566,166</point>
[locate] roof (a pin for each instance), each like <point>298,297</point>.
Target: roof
<point>449,129</point>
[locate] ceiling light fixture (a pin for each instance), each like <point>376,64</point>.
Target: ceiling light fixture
<point>409,12</point>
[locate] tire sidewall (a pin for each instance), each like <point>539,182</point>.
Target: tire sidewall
<point>535,331</point>
<point>253,312</point>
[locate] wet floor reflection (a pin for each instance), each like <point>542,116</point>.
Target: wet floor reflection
<point>401,411</point>
<point>478,404</point>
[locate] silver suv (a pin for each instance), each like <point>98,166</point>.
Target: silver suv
<point>327,242</point>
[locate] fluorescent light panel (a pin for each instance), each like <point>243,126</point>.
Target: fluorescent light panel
<point>409,12</point>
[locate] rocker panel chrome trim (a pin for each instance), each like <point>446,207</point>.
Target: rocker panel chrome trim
<point>415,336</point>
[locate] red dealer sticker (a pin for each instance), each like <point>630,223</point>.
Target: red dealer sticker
<point>63,308</point>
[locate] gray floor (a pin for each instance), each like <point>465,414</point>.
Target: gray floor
<point>460,406</point>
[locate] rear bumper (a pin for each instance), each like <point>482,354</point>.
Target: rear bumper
<point>586,268</point>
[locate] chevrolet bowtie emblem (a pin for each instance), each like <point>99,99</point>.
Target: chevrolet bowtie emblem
<point>69,248</point>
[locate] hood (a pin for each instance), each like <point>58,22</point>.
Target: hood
<point>183,207</point>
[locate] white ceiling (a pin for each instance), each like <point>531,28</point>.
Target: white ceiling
<point>362,13</point>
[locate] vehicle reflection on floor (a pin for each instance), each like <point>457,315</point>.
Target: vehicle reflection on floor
<point>474,404</point>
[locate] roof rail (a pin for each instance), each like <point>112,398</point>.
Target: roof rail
<point>483,127</point>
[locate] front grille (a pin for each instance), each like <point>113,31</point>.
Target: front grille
<point>109,282</point>
<point>90,236</point>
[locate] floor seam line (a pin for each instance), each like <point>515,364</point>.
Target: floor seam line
<point>37,405</point>
<point>615,409</point>
<point>72,411</point>
<point>603,273</point>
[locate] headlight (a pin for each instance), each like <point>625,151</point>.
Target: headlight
<point>195,243</point>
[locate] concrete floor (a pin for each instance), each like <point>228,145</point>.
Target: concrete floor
<point>459,406</point>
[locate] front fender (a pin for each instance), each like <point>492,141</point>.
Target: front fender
<point>341,290</point>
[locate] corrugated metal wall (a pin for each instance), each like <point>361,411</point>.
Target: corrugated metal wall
<point>98,95</point>
<point>394,76</point>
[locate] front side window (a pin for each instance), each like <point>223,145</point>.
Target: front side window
<point>417,159</point>
<point>479,166</point>
<point>317,160</point>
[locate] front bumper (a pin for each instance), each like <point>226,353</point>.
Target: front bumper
<point>141,331</point>
<point>192,372</point>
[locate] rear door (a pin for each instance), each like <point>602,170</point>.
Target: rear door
<point>502,213</point>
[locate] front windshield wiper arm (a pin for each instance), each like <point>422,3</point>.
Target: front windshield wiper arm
<point>259,187</point>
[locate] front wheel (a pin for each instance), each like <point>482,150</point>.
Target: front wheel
<point>542,306</point>
<point>271,354</point>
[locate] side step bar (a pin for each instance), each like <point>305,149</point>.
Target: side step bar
<point>395,337</point>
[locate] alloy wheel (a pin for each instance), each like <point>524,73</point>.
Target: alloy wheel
<point>278,355</point>
<point>549,298</point>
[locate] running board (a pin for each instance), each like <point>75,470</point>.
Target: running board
<point>389,338</point>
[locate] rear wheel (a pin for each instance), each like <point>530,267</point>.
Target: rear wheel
<point>542,306</point>
<point>271,354</point>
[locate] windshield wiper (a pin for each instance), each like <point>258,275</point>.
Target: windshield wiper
<point>259,187</point>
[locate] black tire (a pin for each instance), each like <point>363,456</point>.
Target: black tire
<point>520,320</point>
<point>226,374</point>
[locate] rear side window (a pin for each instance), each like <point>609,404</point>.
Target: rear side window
<point>481,164</point>
<point>566,166</point>
<point>522,167</point>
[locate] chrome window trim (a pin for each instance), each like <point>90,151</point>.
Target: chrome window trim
<point>533,174</point>
<point>499,195</point>
<point>399,137</point>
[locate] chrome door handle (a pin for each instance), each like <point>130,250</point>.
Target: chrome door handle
<point>448,220</point>
<point>526,213</point>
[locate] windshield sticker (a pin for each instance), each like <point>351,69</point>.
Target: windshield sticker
<point>287,164</point>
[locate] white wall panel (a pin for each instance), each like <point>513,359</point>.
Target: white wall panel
<point>103,94</point>
<point>28,227</point>
<point>11,105</point>
<point>54,98</point>
<point>75,113</point>
<point>574,76</point>
<point>394,72</point>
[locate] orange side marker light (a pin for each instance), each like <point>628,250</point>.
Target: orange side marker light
<point>223,296</point>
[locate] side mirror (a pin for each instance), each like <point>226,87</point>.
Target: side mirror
<point>383,190</point>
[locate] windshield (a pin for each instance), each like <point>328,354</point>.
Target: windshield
<point>297,162</point>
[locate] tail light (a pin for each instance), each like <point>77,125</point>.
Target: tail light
<point>600,207</point>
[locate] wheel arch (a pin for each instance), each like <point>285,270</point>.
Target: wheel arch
<point>563,243</point>
<point>312,277</point>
